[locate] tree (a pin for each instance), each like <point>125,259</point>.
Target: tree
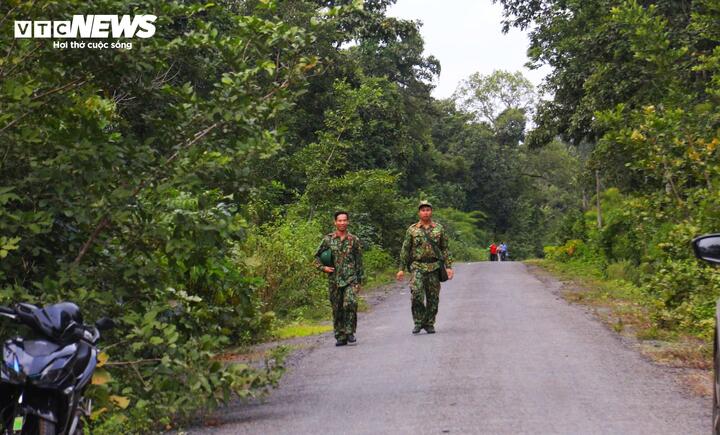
<point>121,183</point>
<point>593,62</point>
<point>488,96</point>
<point>510,127</point>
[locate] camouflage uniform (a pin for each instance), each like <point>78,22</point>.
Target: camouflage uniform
<point>418,257</point>
<point>349,272</point>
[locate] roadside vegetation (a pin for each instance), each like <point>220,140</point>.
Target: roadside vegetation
<point>636,86</point>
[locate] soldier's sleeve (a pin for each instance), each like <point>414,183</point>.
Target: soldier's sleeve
<point>405,251</point>
<point>445,248</point>
<point>359,269</point>
<point>323,246</point>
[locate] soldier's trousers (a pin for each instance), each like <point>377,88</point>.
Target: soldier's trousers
<point>344,308</point>
<point>425,291</point>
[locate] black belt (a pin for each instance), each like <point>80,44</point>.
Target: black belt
<point>427,261</point>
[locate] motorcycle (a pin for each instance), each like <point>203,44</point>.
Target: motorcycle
<point>707,248</point>
<point>43,380</point>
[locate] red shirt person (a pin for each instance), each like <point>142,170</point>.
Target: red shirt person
<point>493,252</point>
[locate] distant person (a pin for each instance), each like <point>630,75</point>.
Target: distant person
<point>424,247</point>
<point>493,252</point>
<point>340,256</point>
<point>503,251</point>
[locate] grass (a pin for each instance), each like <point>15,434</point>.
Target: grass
<point>301,329</point>
<point>363,306</point>
<point>381,278</point>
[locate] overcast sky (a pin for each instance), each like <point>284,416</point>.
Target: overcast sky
<point>466,36</point>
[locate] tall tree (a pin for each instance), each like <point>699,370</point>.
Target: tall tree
<point>489,96</point>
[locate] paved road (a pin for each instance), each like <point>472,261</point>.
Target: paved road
<point>509,357</point>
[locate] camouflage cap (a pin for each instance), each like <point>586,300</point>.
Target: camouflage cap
<point>424,203</point>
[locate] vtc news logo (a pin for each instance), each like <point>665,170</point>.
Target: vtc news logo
<point>89,26</point>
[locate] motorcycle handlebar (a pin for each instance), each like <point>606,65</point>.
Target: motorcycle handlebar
<point>90,333</point>
<point>7,310</point>
<point>95,334</point>
<point>9,313</point>
<point>85,332</point>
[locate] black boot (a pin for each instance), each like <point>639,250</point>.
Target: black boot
<point>417,329</point>
<point>351,339</point>
<point>430,329</point>
<point>341,342</point>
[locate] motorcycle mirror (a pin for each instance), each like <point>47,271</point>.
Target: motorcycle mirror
<point>105,323</point>
<point>707,248</point>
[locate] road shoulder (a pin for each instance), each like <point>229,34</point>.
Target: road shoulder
<point>296,350</point>
<point>685,358</point>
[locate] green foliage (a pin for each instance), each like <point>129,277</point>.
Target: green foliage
<point>377,210</point>
<point>549,198</point>
<point>466,237</point>
<point>281,254</point>
<point>623,271</point>
<point>645,241</point>
<point>490,96</point>
<point>576,251</point>
<point>123,177</point>
<point>379,265</point>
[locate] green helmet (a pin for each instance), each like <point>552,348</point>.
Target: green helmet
<point>326,257</point>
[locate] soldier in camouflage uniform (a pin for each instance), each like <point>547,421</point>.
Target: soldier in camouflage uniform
<point>419,257</point>
<point>344,277</point>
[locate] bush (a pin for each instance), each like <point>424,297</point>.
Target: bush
<point>645,241</point>
<point>623,270</point>
<point>570,250</point>
<point>282,256</point>
<point>463,232</point>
